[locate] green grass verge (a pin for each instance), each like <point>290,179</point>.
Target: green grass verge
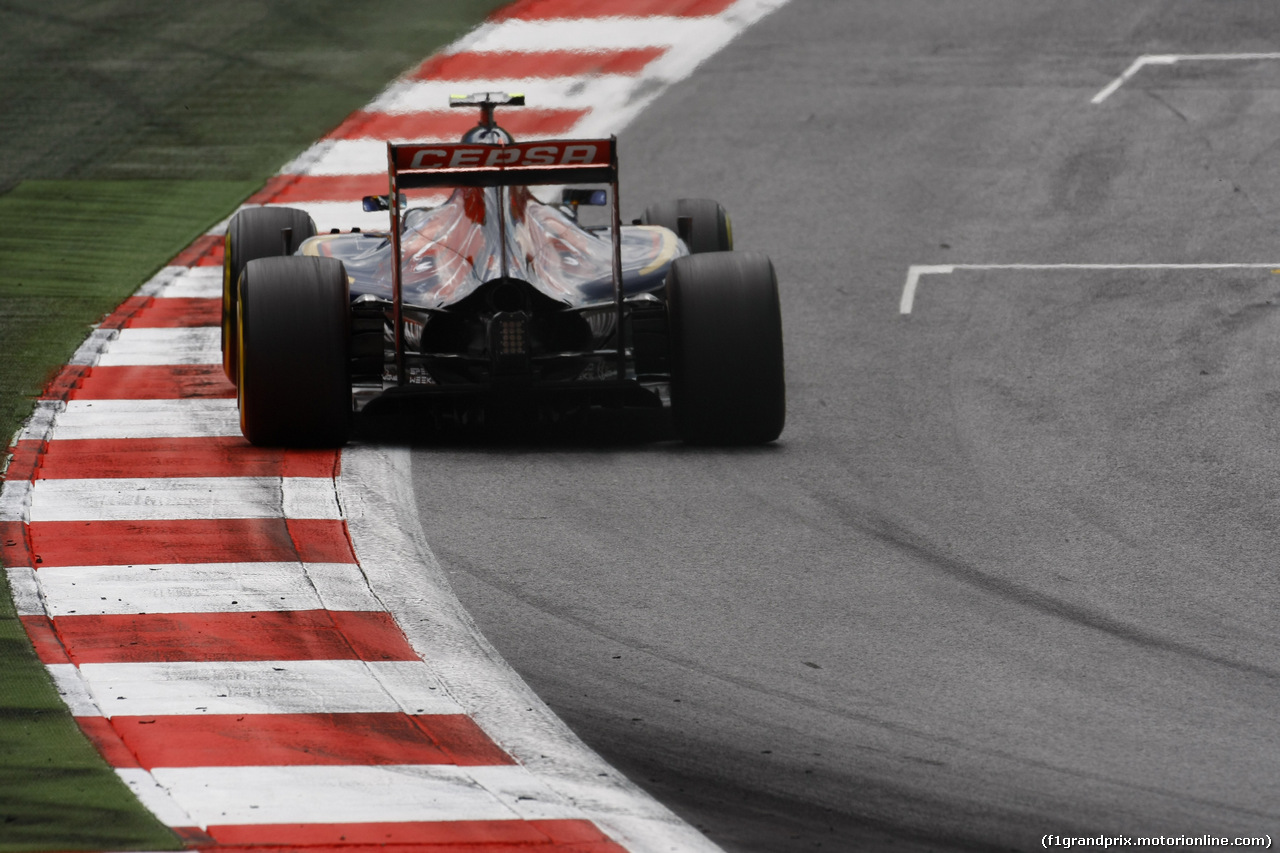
<point>71,251</point>
<point>129,127</point>
<point>56,793</point>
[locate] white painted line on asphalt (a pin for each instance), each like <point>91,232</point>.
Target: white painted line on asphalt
<point>305,794</point>
<point>181,345</point>
<point>1171,59</point>
<point>258,687</point>
<point>914,272</point>
<point>913,280</point>
<point>193,418</point>
<point>192,588</point>
<point>1133,69</point>
<point>172,498</point>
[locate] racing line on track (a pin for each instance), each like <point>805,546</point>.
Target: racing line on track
<point>260,645</point>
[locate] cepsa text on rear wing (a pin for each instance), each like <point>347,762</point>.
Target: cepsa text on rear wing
<point>559,161</point>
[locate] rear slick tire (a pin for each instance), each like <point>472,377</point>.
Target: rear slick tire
<point>255,232</point>
<point>710,229</point>
<point>727,382</point>
<point>294,352</point>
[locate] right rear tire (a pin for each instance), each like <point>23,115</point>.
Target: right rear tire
<point>727,382</point>
<point>294,352</point>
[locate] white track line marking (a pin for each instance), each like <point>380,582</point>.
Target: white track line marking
<point>192,588</point>
<point>914,272</point>
<point>1172,58</point>
<point>360,794</point>
<point>144,499</point>
<point>253,687</point>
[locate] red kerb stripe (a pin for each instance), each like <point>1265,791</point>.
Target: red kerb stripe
<point>242,740</point>
<point>223,456</point>
<point>103,736</point>
<point>545,9</point>
<point>44,639</point>
<point>179,311</point>
<point>14,550</point>
<point>299,189</point>
<point>222,540</point>
<point>267,635</point>
<point>497,835</point>
<point>502,65</point>
<point>205,251</point>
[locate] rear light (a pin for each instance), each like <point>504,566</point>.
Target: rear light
<point>509,342</point>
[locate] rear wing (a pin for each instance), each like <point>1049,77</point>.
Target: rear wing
<point>539,163</point>
<point>556,161</point>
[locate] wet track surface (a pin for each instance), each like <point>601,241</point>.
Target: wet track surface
<point>1010,570</point>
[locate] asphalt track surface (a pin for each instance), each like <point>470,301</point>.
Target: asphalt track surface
<point>1010,570</point>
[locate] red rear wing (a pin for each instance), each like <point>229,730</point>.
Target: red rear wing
<point>556,161</point>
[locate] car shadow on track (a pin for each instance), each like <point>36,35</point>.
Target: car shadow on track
<point>418,424</point>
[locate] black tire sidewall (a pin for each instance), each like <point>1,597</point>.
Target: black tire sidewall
<point>711,232</point>
<point>254,233</point>
<point>727,366</point>
<point>294,352</point>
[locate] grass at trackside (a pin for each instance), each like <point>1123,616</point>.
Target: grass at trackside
<point>56,793</point>
<point>71,251</point>
<point>128,127</point>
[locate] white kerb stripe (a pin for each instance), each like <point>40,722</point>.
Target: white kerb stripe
<point>348,214</point>
<point>15,498</point>
<point>183,345</point>
<point>193,588</point>
<point>192,283</point>
<point>546,93</point>
<point>26,591</point>
<point>600,34</point>
<point>139,499</point>
<point>356,794</point>
<point>73,690</point>
<point>194,418</point>
<point>153,795</point>
<point>265,687</point>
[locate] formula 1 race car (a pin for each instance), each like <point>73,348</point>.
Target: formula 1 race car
<point>495,302</point>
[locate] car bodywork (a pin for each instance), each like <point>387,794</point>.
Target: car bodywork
<point>492,301</point>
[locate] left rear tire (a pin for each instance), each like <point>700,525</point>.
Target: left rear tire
<point>255,232</point>
<point>294,352</point>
